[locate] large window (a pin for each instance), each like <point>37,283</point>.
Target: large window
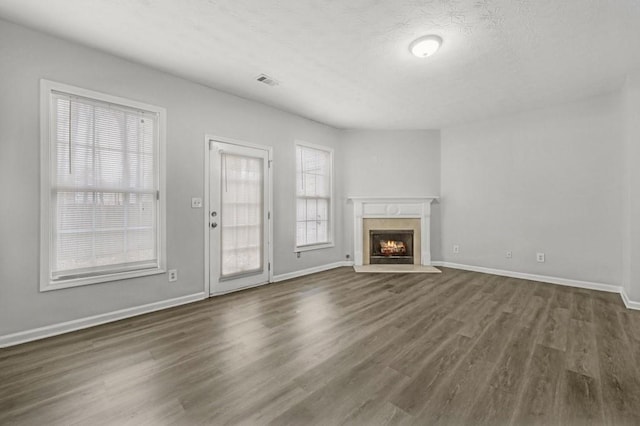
<point>313,197</point>
<point>102,187</point>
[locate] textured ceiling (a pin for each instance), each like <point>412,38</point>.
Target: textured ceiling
<point>346,62</point>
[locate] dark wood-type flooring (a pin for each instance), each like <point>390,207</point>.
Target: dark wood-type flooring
<point>344,348</point>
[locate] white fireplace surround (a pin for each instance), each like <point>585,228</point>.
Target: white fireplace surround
<point>390,208</point>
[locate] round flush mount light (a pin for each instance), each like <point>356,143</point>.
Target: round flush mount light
<point>425,46</point>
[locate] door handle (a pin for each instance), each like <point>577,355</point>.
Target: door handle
<point>214,224</point>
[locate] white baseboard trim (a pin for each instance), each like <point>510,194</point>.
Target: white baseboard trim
<point>630,304</point>
<point>534,277</point>
<point>81,323</point>
<point>78,324</point>
<point>303,272</point>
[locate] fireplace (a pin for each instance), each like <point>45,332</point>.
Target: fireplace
<point>392,213</point>
<point>393,246</point>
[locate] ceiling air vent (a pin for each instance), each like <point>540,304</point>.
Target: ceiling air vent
<point>263,78</point>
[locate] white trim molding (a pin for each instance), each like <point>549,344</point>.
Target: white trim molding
<point>392,208</point>
<point>630,304</point>
<point>533,277</point>
<point>82,323</point>
<point>589,285</point>
<point>308,271</point>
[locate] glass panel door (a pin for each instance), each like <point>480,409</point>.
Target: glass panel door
<point>239,217</point>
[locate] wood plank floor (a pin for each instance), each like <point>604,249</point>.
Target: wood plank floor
<point>344,348</point>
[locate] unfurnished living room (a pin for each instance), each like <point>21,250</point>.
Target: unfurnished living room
<point>314,212</point>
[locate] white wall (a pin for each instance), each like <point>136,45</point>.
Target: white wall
<point>391,163</point>
<point>631,234</point>
<point>547,181</point>
<point>193,111</point>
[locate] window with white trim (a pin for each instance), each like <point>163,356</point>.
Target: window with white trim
<point>314,203</point>
<point>102,192</point>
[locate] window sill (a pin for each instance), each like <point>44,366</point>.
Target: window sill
<point>49,285</point>
<point>313,247</point>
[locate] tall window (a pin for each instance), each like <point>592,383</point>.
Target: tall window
<point>102,215</point>
<point>313,196</point>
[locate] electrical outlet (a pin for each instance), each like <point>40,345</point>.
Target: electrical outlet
<point>540,257</point>
<point>173,275</point>
<point>456,248</point>
<point>196,203</point>
<point>509,254</point>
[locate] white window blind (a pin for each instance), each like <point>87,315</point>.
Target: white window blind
<point>313,192</point>
<point>104,188</point>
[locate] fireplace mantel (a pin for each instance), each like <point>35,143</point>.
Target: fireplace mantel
<point>392,207</point>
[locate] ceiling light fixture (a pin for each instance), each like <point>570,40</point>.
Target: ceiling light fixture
<point>425,46</point>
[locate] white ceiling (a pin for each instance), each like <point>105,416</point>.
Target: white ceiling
<point>346,62</point>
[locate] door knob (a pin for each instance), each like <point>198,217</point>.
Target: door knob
<point>213,224</point>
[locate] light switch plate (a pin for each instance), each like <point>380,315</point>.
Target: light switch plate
<point>196,203</point>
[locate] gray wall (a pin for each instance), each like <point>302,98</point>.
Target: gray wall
<point>553,180</point>
<point>391,163</point>
<point>547,181</point>
<point>631,234</point>
<point>193,111</point>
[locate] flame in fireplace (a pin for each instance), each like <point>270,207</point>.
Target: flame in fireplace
<point>391,247</point>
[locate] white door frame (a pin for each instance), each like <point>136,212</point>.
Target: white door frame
<point>206,205</point>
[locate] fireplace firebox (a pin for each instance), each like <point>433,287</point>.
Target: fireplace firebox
<point>391,246</point>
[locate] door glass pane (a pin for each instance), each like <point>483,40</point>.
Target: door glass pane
<point>241,214</point>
